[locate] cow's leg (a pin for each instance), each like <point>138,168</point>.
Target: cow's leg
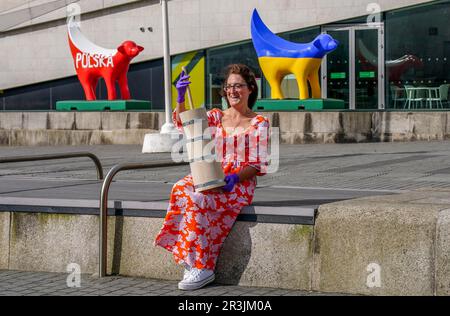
<point>111,87</point>
<point>275,85</point>
<point>274,78</point>
<point>302,83</point>
<point>123,84</point>
<point>88,87</point>
<point>94,84</point>
<point>315,86</point>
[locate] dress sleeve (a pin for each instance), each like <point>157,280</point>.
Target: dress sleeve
<point>176,122</point>
<point>214,117</point>
<point>259,146</point>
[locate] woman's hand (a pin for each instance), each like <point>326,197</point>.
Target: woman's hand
<point>182,86</point>
<point>231,180</point>
<point>234,178</point>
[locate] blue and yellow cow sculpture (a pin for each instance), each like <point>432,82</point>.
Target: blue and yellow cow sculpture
<point>278,58</point>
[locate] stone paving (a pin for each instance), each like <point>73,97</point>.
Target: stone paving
<point>17,283</point>
<point>365,166</point>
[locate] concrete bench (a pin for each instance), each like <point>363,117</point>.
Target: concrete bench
<point>47,234</point>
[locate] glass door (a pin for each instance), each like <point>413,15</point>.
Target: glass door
<point>354,72</point>
<point>338,68</point>
<point>366,69</point>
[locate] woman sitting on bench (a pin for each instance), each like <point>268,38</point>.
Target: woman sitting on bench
<point>197,223</point>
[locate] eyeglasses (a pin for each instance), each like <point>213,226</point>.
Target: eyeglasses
<point>237,86</point>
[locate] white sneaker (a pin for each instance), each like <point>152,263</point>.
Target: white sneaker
<point>187,271</point>
<point>186,274</point>
<point>197,279</point>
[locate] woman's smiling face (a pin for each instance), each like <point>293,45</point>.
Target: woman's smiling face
<point>237,90</point>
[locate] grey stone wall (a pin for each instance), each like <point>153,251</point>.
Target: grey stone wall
<point>4,240</point>
<point>95,128</point>
<point>76,128</point>
<point>256,255</point>
<point>390,245</point>
<point>339,127</point>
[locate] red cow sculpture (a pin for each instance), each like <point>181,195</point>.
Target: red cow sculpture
<point>93,62</point>
<point>401,65</point>
<point>395,68</point>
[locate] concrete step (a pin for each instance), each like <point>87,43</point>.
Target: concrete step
<point>302,127</point>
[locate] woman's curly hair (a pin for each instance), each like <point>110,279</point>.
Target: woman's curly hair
<point>248,75</point>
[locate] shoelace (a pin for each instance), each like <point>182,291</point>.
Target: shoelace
<point>195,274</point>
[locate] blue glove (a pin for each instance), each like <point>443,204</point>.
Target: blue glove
<point>231,181</point>
<point>182,86</point>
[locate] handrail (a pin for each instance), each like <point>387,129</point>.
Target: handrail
<point>97,162</point>
<point>103,231</point>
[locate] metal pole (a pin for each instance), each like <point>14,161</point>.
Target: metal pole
<point>167,64</point>
<point>94,158</point>
<point>103,231</point>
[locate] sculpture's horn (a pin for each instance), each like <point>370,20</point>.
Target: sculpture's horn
<point>267,44</point>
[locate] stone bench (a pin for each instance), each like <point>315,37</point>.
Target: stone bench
<point>39,234</point>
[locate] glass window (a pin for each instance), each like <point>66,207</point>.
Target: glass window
<point>145,80</point>
<point>218,59</point>
<point>417,57</point>
<point>36,97</point>
<point>68,89</point>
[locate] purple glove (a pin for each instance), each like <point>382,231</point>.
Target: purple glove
<point>182,86</point>
<point>231,181</point>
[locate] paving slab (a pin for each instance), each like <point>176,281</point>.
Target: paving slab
<point>55,284</point>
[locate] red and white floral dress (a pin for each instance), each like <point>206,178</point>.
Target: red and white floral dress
<point>197,223</point>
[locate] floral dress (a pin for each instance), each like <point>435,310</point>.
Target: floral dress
<point>197,223</point>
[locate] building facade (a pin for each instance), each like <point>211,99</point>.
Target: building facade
<point>393,55</point>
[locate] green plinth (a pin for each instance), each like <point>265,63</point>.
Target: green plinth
<point>103,105</point>
<point>271,105</point>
